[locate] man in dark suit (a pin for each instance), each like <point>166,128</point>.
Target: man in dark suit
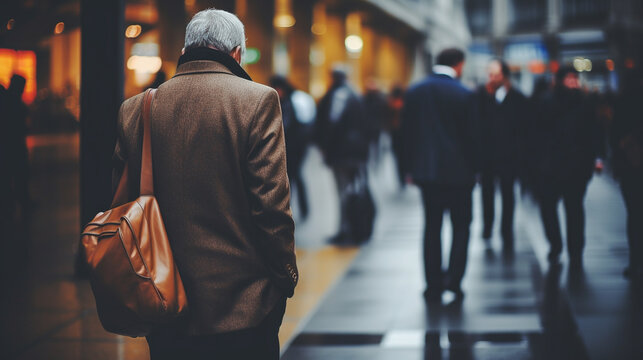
<point>502,113</point>
<point>569,147</point>
<point>438,125</point>
<point>220,180</point>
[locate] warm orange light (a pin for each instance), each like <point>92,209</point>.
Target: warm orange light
<point>284,21</point>
<point>537,67</point>
<point>283,14</point>
<point>7,60</point>
<point>609,64</point>
<point>60,27</point>
<point>10,24</point>
<point>554,66</point>
<point>26,67</point>
<point>318,29</point>
<point>133,31</point>
<point>141,13</point>
<point>629,63</point>
<point>319,20</point>
<point>22,63</point>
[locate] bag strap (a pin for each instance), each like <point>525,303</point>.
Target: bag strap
<point>147,183</point>
<point>147,178</point>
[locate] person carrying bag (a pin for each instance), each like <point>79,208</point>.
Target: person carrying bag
<point>133,275</point>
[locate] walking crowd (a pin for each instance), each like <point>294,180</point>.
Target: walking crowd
<point>227,151</point>
<point>447,138</point>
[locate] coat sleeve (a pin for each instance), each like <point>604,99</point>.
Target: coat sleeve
<point>269,193</point>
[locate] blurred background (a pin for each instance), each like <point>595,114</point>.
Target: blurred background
<point>81,58</point>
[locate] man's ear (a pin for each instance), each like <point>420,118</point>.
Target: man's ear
<point>236,54</point>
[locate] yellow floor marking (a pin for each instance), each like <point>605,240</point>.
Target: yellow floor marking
<point>319,269</point>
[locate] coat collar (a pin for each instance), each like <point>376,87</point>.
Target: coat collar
<point>206,60</point>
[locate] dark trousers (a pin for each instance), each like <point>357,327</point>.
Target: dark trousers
<point>258,343</point>
<point>347,177</point>
<point>508,205</point>
<point>573,195</point>
<point>297,182</point>
<point>437,199</point>
<point>632,190</point>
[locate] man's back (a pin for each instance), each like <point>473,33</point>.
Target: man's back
<point>220,180</point>
<point>569,135</point>
<point>341,129</point>
<point>439,128</point>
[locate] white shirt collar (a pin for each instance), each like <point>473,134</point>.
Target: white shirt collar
<point>501,94</point>
<point>445,70</point>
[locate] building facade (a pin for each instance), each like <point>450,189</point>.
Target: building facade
<point>600,38</point>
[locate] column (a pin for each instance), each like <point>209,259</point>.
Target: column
<point>102,80</point>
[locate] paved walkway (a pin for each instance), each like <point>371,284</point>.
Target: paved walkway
<point>515,308</point>
<point>47,313</point>
<point>351,303</point>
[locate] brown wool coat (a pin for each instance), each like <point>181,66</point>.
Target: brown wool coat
<point>220,179</point>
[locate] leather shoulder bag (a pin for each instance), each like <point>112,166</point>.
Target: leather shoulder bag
<point>135,281</point>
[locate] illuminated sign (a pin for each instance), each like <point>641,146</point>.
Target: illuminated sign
<point>251,56</point>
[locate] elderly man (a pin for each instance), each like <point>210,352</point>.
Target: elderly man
<point>220,180</point>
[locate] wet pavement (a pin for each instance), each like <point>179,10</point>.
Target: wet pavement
<point>351,303</point>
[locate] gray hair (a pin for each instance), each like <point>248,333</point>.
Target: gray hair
<point>215,28</point>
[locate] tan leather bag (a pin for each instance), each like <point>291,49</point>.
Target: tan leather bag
<point>133,276</point>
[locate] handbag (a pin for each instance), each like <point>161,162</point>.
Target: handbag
<point>133,276</point>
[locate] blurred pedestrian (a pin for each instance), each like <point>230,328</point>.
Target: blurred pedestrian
<point>394,126</point>
<point>6,202</point>
<point>15,128</point>
<point>627,145</point>
<point>569,138</point>
<point>297,138</point>
<point>438,123</point>
<point>375,115</point>
<point>343,137</point>
<point>502,112</point>
<point>220,180</point>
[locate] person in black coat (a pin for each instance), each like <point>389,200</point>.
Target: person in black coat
<point>438,123</point>
<point>502,111</point>
<point>14,143</point>
<point>297,139</point>
<point>627,145</point>
<point>342,133</point>
<point>569,147</point>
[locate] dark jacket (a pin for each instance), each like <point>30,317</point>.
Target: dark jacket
<point>341,129</point>
<point>220,179</point>
<point>568,137</point>
<point>502,131</point>
<point>297,135</point>
<point>626,136</point>
<point>439,128</point>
